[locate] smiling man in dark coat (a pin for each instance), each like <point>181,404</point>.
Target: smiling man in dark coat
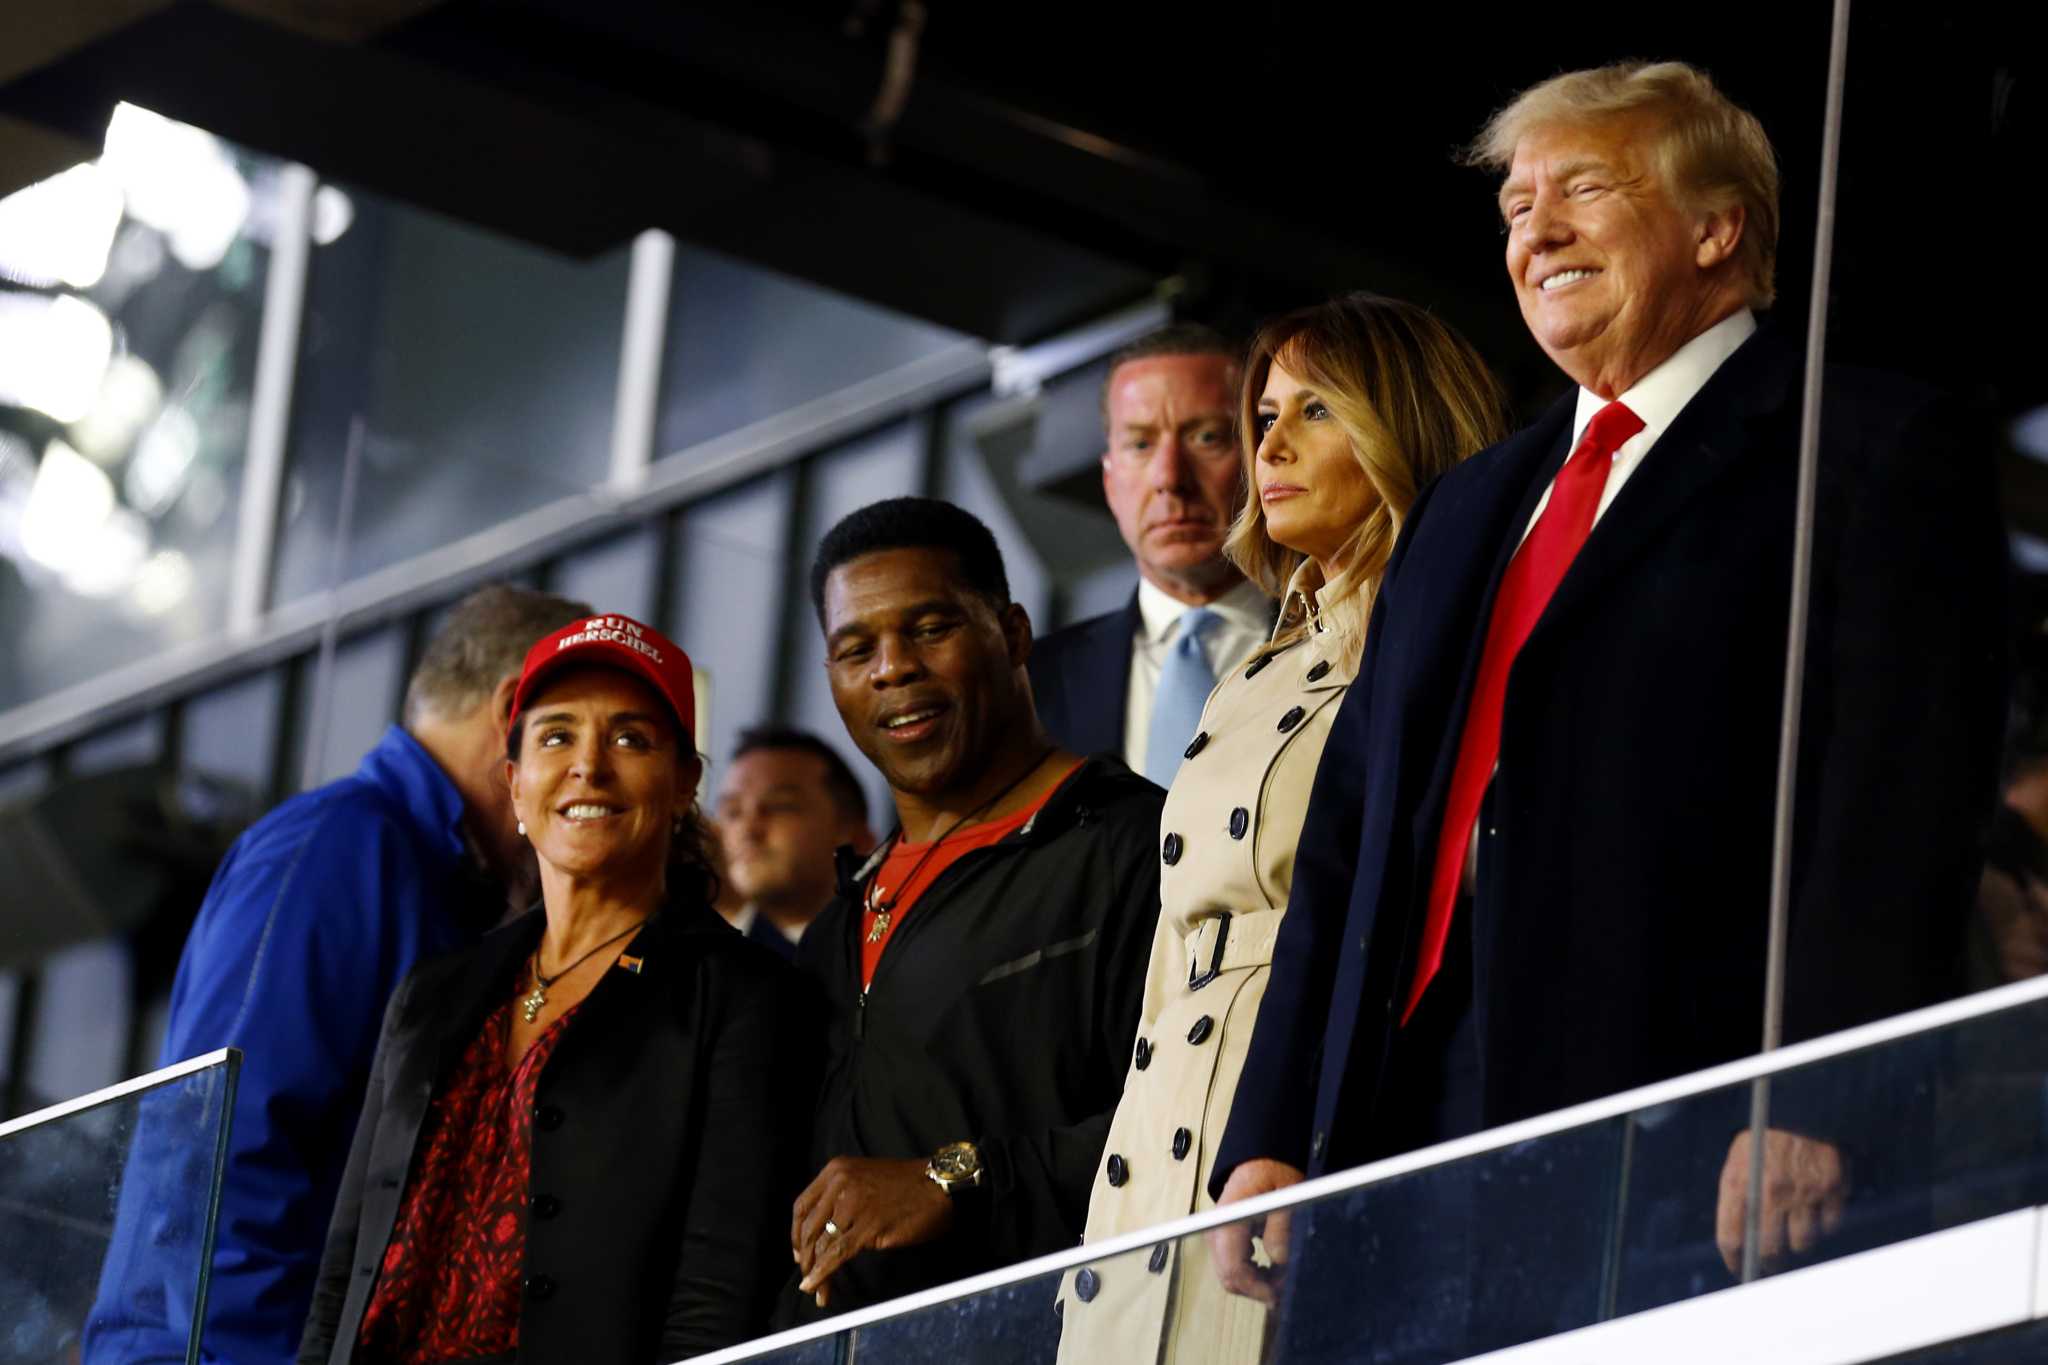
<point>983,967</point>
<point>1537,865</point>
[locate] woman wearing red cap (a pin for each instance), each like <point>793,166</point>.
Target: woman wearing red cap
<point>578,1140</point>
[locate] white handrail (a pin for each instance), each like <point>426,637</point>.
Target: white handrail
<point>1728,1074</point>
<point>118,1090</point>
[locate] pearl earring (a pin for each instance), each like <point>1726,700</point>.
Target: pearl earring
<point>522,827</point>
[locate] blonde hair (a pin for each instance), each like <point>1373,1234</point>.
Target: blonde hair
<point>1413,397</point>
<point>1713,153</point>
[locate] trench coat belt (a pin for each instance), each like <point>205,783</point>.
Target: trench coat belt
<point>1225,942</point>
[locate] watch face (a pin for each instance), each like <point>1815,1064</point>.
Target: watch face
<point>957,1161</point>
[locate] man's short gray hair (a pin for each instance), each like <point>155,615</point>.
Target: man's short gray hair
<point>1712,151</point>
<point>482,642</point>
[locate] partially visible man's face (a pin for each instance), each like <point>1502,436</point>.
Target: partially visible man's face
<point>1172,474</point>
<point>778,823</point>
<point>1609,269</point>
<point>926,672</point>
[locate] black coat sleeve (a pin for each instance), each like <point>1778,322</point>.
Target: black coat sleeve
<point>1036,1184</point>
<point>337,1262</point>
<point>759,1083</point>
<point>1273,1111</point>
<point>1901,721</point>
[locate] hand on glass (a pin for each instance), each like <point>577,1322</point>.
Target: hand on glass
<point>1806,1185</point>
<point>862,1203</point>
<point>1230,1246</point>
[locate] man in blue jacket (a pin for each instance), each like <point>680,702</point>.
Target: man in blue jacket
<point>314,917</point>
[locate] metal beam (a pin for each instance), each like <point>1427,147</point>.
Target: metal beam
<point>648,286</point>
<point>270,402</point>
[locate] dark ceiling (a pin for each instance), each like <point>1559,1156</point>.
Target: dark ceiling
<point>1055,159</point>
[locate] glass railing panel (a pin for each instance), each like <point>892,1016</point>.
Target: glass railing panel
<point>1891,1132</point>
<point>107,1208</point>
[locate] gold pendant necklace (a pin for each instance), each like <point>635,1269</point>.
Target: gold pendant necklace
<point>531,1006</point>
<point>879,930</point>
<point>880,906</point>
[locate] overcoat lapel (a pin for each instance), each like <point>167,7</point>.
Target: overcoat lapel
<point>1527,463</point>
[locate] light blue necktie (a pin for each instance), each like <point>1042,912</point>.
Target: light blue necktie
<point>1184,683</point>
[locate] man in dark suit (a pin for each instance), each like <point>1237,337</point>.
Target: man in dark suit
<point>1537,863</point>
<point>1131,682</point>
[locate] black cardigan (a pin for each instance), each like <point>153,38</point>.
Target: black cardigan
<point>667,1137</point>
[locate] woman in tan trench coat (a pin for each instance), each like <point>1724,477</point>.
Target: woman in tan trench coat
<point>1348,409</point>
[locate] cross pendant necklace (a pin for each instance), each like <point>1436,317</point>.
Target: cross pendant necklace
<point>531,1006</point>
<point>881,907</point>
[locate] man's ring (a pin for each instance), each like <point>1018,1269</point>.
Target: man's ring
<point>831,1228</point>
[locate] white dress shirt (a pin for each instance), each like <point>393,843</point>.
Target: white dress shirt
<point>1658,397</point>
<point>1247,619</point>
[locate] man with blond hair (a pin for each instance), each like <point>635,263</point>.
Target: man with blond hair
<point>1537,864</point>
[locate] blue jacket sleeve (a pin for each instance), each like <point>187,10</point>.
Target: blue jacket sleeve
<point>307,928</point>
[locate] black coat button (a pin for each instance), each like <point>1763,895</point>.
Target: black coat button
<point>1196,745</point>
<point>1257,664</point>
<point>1144,1054</point>
<point>1158,1261</point>
<point>548,1117</point>
<point>1291,719</point>
<point>539,1287</point>
<point>1182,1140</point>
<point>1240,821</point>
<point>1169,852</point>
<point>546,1206</point>
<point>1319,672</point>
<point>1119,1170</point>
<point>1199,1034</point>
<point>1087,1284</point>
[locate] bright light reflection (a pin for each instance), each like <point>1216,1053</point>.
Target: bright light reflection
<point>2030,433</point>
<point>162,463</point>
<point>333,212</point>
<point>69,504</point>
<point>179,180</point>
<point>54,353</point>
<point>109,562</point>
<point>59,231</point>
<point>163,581</point>
<point>128,400</point>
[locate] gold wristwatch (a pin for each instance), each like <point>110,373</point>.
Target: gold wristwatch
<point>955,1167</point>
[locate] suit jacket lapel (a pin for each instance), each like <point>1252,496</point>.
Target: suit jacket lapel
<point>1526,463</point>
<point>1706,443</point>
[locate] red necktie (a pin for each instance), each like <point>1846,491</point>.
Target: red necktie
<point>1525,589</point>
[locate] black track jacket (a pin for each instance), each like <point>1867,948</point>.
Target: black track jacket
<point>1002,1013</point>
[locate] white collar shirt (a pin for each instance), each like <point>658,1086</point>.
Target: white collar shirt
<point>1247,620</point>
<point>1658,397</point>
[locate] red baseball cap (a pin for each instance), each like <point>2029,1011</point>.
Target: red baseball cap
<point>613,642</point>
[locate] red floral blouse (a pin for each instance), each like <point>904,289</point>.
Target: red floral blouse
<point>449,1287</point>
